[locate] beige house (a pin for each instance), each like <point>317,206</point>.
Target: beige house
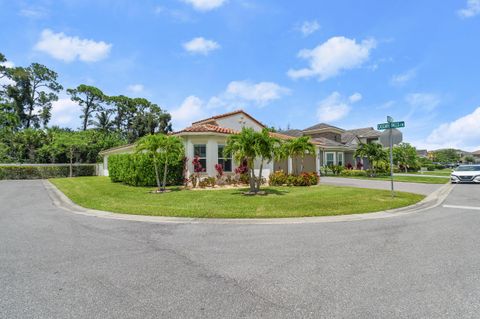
<point>207,138</point>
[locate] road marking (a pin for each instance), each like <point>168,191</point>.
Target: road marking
<point>462,207</point>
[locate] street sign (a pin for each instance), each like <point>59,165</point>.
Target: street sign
<point>390,137</point>
<point>389,125</point>
<point>397,137</point>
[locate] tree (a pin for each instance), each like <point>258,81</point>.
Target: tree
<point>71,143</point>
<point>90,99</point>
<point>374,152</point>
<point>266,147</point>
<point>102,121</point>
<point>298,147</point>
<point>242,147</point>
<point>405,155</point>
<point>446,156</point>
<point>469,159</point>
<point>33,91</point>
<point>162,148</point>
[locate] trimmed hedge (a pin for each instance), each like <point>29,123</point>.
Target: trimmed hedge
<point>353,172</point>
<point>279,178</point>
<point>138,170</point>
<point>44,172</point>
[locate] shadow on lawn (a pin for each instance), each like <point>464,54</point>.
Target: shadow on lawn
<point>269,191</point>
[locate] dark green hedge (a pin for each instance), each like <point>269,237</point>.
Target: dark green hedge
<point>138,170</point>
<point>43,172</point>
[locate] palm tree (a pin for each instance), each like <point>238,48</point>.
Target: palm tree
<point>266,148</point>
<point>162,148</point>
<point>298,147</point>
<point>102,121</point>
<point>374,152</point>
<point>243,147</point>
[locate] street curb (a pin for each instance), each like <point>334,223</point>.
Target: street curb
<point>433,200</point>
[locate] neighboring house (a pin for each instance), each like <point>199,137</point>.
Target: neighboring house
<point>207,138</point>
<point>422,153</point>
<point>476,155</point>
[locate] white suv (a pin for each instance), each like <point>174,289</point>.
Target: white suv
<point>466,174</point>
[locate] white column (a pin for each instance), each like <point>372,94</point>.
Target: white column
<point>317,160</point>
<point>290,166</point>
<point>189,155</point>
<point>212,157</point>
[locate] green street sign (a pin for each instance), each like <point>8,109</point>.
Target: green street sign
<point>386,126</point>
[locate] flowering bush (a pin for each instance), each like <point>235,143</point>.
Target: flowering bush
<point>219,169</point>
<point>359,165</point>
<point>353,172</point>
<point>349,166</point>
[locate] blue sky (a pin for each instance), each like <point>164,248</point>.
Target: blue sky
<point>288,63</point>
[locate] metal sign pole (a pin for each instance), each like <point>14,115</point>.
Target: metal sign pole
<point>391,162</point>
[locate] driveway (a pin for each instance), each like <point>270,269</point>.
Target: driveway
<point>55,264</point>
<point>417,188</point>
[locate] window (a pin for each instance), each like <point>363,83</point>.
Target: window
<point>340,159</point>
<point>226,162</point>
<point>330,159</point>
<point>200,150</point>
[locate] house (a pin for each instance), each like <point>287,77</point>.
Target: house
<point>422,153</point>
<point>207,138</point>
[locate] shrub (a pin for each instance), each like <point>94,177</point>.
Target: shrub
<point>336,169</point>
<point>353,172</point>
<point>279,178</point>
<point>44,172</point>
<point>137,170</point>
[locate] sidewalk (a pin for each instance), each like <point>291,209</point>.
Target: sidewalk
<point>417,175</point>
<point>418,188</point>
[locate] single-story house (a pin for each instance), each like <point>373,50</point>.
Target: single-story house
<point>207,138</point>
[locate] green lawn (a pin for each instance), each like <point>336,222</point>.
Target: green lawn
<point>100,193</point>
<point>406,179</point>
<point>442,172</point>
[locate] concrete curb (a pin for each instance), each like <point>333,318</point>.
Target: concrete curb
<point>433,200</point>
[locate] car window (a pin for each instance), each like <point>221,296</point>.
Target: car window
<point>470,168</point>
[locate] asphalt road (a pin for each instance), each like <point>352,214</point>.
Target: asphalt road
<point>55,264</point>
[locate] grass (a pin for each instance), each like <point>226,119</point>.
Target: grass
<point>100,193</point>
<point>442,172</point>
<point>405,179</point>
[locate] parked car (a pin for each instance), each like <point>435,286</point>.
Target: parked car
<point>466,174</point>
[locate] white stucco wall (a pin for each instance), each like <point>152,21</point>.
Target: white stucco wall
<point>237,122</point>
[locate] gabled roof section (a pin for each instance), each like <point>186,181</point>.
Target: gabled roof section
<point>211,120</point>
<point>206,128</point>
<point>293,133</point>
<point>323,126</point>
<point>476,152</point>
<point>367,132</point>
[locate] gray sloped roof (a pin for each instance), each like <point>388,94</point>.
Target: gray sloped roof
<point>322,126</point>
<point>293,132</point>
<point>365,132</point>
<point>327,142</point>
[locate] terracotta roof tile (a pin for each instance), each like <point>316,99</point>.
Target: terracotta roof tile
<point>207,128</point>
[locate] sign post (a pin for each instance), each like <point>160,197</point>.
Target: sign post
<point>390,128</point>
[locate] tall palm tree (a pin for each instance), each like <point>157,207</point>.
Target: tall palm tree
<point>163,149</point>
<point>242,147</point>
<point>298,147</point>
<point>266,148</point>
<point>102,121</point>
<point>374,152</point>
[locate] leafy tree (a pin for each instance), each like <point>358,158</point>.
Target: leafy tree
<point>25,144</point>
<point>298,147</point>
<point>33,91</point>
<point>449,155</point>
<point>71,143</point>
<point>90,99</point>
<point>163,149</point>
<point>374,152</point>
<point>405,155</point>
<point>469,159</point>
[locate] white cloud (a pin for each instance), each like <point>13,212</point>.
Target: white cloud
<point>201,46</point>
<point>135,88</point>
<point>33,12</point>
<point>471,10</point>
<point>68,49</point>
<point>191,109</point>
<point>402,78</point>
<point>65,112</point>
<point>423,101</point>
<point>309,27</point>
<point>462,133</point>
<point>5,80</point>
<point>244,93</point>
<point>335,106</point>
<point>333,56</point>
<point>205,5</point>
